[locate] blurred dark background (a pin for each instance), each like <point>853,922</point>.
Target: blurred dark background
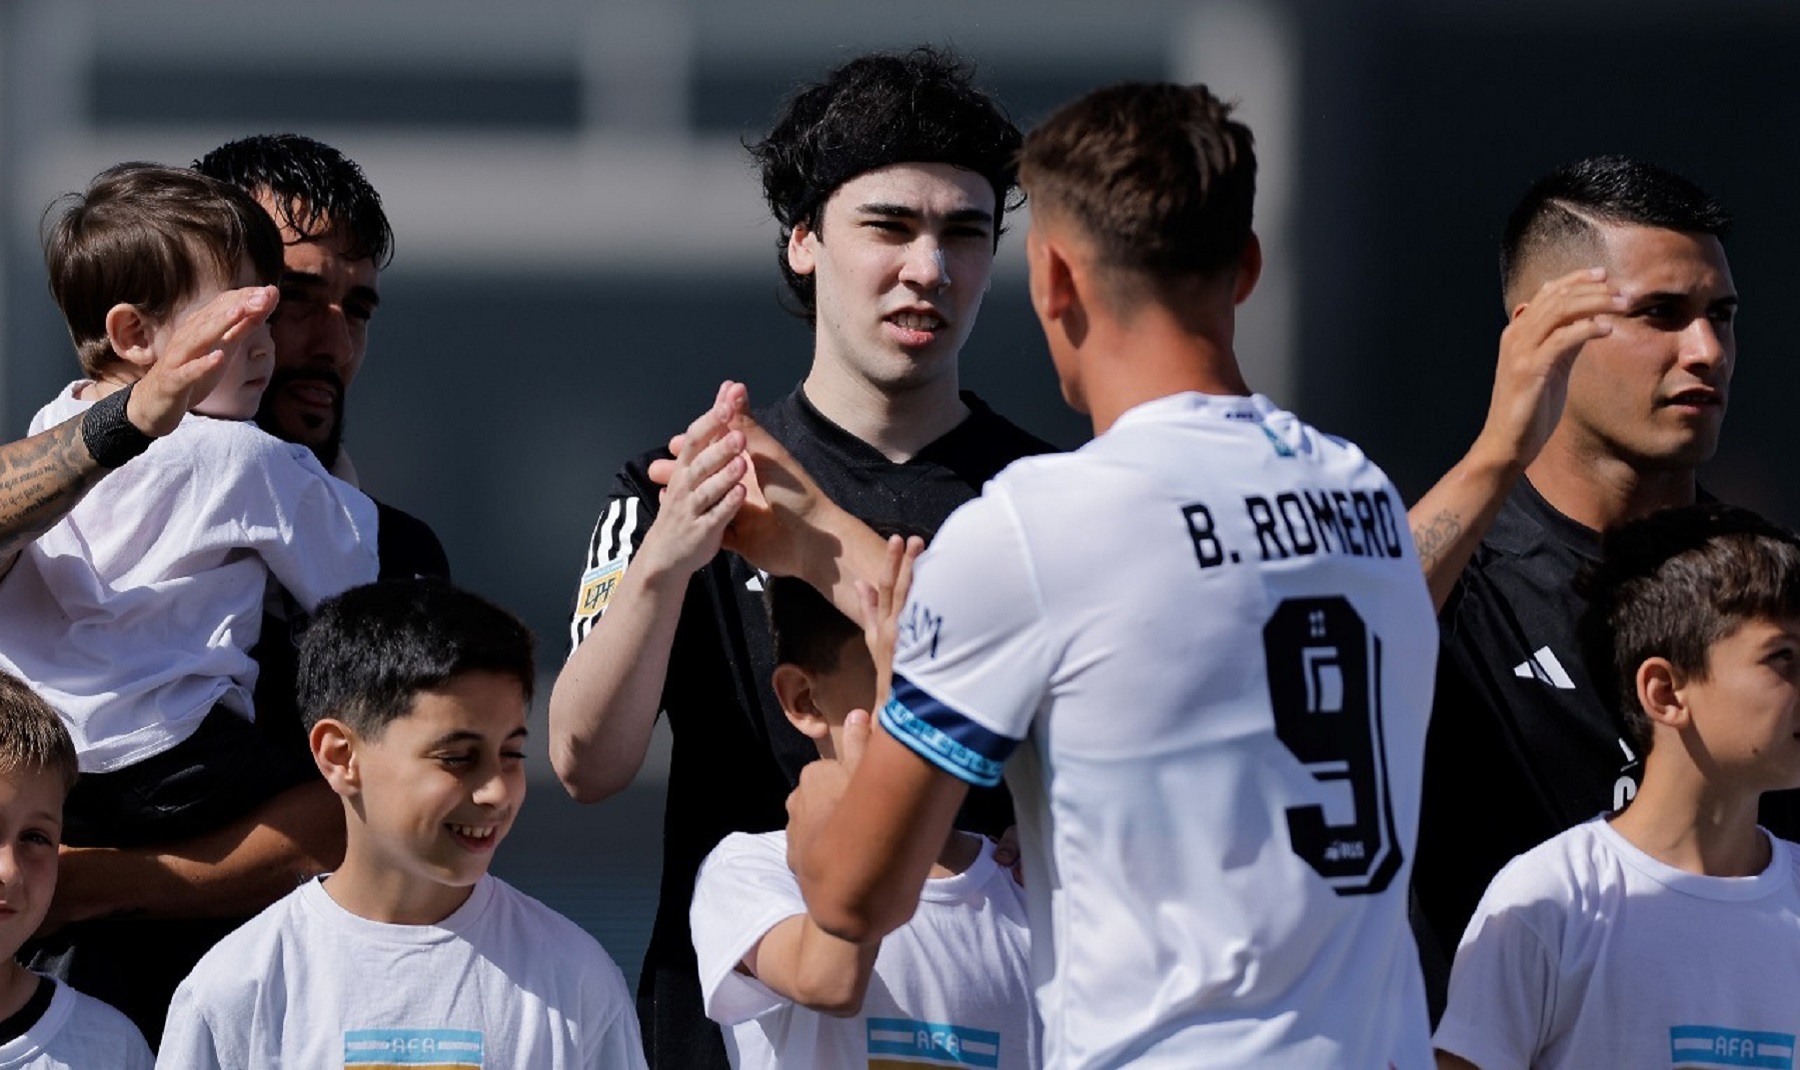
<point>582,252</point>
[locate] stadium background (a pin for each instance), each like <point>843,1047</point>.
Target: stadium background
<point>582,252</point>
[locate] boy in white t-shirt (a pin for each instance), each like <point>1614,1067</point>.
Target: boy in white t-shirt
<point>43,1025</point>
<point>951,987</point>
<point>411,953</point>
<point>135,614</point>
<point>1667,935</point>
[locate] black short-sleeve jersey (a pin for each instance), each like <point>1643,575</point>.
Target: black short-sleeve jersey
<point>735,756</point>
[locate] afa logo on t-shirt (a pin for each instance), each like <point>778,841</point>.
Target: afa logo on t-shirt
<point>413,1049</point>
<point>905,1044</point>
<point>1703,1047</point>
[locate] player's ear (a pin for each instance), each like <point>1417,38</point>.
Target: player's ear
<point>129,333</point>
<point>334,745</point>
<point>1249,270</point>
<point>1659,692</point>
<point>1052,277</point>
<point>793,688</point>
<point>802,256</point>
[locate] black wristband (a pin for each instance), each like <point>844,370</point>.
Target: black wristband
<point>111,438</point>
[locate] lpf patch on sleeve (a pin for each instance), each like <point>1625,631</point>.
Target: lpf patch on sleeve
<point>597,587</point>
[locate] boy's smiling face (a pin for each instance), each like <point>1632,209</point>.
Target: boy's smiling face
<point>431,799</point>
<point>31,805</point>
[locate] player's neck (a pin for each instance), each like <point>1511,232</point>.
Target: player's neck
<point>1683,820</point>
<point>897,421</point>
<point>373,887</point>
<point>1153,357</point>
<point>16,987</point>
<point>1602,492</point>
<point>961,849</point>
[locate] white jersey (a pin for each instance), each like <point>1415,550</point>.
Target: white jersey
<point>1588,952</point>
<point>135,614</point>
<point>951,987</point>
<point>1209,629</point>
<point>502,981</point>
<point>77,1032</point>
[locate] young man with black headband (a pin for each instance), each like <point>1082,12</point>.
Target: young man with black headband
<point>890,180</point>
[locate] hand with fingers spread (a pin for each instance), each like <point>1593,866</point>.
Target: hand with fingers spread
<point>1536,351</point>
<point>882,601</point>
<point>703,490</point>
<point>195,360</point>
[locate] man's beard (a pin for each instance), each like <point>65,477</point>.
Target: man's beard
<point>325,450</point>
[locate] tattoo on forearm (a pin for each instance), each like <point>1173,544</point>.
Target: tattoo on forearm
<point>1435,536</point>
<point>41,479</point>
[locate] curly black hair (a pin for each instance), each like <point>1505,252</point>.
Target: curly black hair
<point>919,106</point>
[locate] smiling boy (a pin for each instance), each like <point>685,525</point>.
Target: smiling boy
<point>1668,934</point>
<point>416,695</point>
<point>43,1025</point>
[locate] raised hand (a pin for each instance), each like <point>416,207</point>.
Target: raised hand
<point>882,601</point>
<point>1537,349</point>
<point>195,360</point>
<point>1531,382</point>
<point>822,783</point>
<point>704,486</point>
<point>785,523</point>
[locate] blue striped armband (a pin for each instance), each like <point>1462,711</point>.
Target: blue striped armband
<point>943,737</point>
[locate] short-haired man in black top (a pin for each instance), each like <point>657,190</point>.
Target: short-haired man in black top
<point>1610,392</point>
<point>890,180</point>
<point>336,241</point>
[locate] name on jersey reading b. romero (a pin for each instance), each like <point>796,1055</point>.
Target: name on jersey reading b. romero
<point>1298,523</point>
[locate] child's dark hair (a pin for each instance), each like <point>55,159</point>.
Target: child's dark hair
<point>146,235</point>
<point>370,651</point>
<point>884,108</point>
<point>33,738</point>
<point>1676,582</point>
<point>315,190</point>
<point>809,631</point>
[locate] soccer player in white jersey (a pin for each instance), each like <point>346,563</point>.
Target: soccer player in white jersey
<point>1203,641</point>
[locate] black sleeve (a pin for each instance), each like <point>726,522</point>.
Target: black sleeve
<point>619,531</point>
<point>407,547</point>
